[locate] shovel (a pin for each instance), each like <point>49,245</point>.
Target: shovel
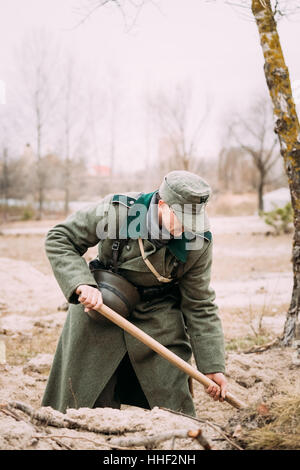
<point>113,316</point>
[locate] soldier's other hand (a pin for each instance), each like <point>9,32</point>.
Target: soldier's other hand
<point>217,393</point>
<point>90,297</point>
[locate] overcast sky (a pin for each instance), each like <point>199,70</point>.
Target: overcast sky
<point>210,44</point>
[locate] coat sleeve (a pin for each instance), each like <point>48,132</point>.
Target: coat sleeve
<point>67,242</point>
<point>201,315</point>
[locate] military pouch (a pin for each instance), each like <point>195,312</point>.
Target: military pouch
<point>152,292</point>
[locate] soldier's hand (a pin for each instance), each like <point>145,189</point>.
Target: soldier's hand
<point>217,393</point>
<point>90,297</point>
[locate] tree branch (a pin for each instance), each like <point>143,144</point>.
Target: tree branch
<point>152,441</point>
<point>216,427</point>
<point>50,419</point>
<point>120,4</point>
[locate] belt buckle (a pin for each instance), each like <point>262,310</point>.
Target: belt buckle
<point>115,246</point>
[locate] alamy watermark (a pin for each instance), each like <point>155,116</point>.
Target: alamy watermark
<point>136,225</point>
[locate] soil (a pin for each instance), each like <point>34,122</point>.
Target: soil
<point>252,277</point>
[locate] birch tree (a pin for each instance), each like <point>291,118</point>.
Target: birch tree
<point>288,131</point>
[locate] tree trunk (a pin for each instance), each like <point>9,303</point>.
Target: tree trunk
<point>39,174</point>
<point>5,183</point>
<point>288,131</point>
<point>67,171</point>
<point>67,188</point>
<point>260,192</point>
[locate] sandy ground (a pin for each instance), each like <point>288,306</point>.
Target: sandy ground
<point>252,278</point>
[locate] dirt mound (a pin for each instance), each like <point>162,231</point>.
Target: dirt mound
<point>22,427</point>
<point>255,378</point>
<point>252,277</point>
<point>21,324</point>
<point>25,290</point>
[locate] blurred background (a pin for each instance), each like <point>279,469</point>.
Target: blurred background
<point>109,101</point>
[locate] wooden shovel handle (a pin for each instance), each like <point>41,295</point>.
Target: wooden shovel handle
<point>107,312</point>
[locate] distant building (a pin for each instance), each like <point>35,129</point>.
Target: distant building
<point>99,170</point>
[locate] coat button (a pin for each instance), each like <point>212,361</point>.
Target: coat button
<point>127,247</point>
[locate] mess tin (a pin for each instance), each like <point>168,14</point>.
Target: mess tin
<point>117,293</point>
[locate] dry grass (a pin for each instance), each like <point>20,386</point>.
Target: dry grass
<point>242,344</point>
<point>282,431</point>
<point>20,348</point>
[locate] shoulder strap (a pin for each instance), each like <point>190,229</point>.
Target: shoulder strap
<point>158,276</point>
<point>118,244</point>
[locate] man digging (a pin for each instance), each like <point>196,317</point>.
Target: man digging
<point>158,245</point>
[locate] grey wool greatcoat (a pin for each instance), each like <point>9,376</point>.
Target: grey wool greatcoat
<point>88,352</point>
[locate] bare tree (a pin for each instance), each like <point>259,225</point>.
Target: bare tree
<point>179,125</point>
<point>38,60</point>
<point>114,107</point>
<point>67,119</point>
<point>4,181</point>
<point>104,110</point>
<point>73,117</point>
<point>129,9</point>
<point>4,173</point>
<point>236,171</point>
<point>7,153</point>
<point>254,134</point>
<point>96,106</point>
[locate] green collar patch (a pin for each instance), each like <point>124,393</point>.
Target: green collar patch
<point>177,246</point>
<point>123,199</point>
<point>135,225</point>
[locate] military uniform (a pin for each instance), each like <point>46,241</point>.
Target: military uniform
<point>185,320</point>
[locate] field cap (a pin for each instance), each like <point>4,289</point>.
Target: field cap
<point>187,195</point>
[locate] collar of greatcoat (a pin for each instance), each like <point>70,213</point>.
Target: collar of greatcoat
<point>139,221</point>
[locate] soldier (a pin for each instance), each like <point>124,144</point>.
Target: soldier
<point>161,243</point>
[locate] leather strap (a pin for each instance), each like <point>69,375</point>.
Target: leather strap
<point>115,254</point>
<point>158,276</point>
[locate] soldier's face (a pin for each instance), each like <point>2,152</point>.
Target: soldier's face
<point>169,219</point>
